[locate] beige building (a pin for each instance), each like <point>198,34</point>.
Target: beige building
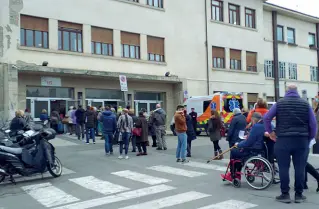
<point>74,54</point>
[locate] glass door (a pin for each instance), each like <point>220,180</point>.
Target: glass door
<point>148,105</point>
<point>37,106</point>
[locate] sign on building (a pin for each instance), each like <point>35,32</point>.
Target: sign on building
<point>50,81</point>
<point>123,83</point>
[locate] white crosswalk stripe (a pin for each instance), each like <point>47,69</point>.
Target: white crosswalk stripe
<point>230,204</point>
<point>118,197</point>
<point>49,195</point>
<point>151,180</point>
<point>176,171</point>
<point>205,166</point>
<point>97,185</point>
<point>169,201</point>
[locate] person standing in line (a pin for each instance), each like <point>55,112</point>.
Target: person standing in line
<point>108,119</point>
<point>191,134</point>
<point>193,114</point>
<point>134,117</point>
<point>73,118</point>
<point>125,125</point>
<point>80,122</point>
<point>151,130</point>
<point>142,140</point>
<point>181,128</point>
<point>159,121</point>
<point>54,120</point>
<point>70,122</point>
<point>214,127</point>
<point>296,125</point>
<point>90,124</point>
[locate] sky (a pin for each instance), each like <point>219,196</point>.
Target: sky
<point>310,7</point>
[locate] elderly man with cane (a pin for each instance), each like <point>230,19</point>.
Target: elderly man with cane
<point>295,126</point>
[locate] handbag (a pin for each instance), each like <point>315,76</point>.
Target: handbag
<point>137,131</point>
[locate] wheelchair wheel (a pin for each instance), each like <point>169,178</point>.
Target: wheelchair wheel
<point>258,173</point>
<point>236,183</point>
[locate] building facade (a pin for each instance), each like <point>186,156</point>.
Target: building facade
<point>73,54</point>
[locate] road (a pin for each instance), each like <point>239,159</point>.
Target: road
<point>93,180</point>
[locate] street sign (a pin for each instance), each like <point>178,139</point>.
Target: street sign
<point>123,83</point>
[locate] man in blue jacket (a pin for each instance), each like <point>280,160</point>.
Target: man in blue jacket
<point>295,126</point>
<point>108,120</point>
<point>238,123</point>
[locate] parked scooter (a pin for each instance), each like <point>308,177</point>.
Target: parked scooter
<point>36,155</point>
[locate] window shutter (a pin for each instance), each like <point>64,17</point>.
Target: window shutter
<point>218,52</point>
<point>235,54</point>
<point>251,59</point>
<point>130,38</point>
<point>102,35</point>
<point>34,23</point>
<point>155,45</point>
<point>70,25</point>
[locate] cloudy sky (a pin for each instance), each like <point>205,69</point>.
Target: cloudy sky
<point>310,7</point>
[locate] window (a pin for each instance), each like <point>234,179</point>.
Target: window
<point>34,32</point>
<point>291,36</point>
<point>282,70</point>
<point>130,45</point>
<point>250,18</point>
<point>280,33</point>
<point>314,73</point>
<point>217,10</point>
<point>235,59</point>
<point>156,3</point>
<point>206,104</point>
<point>102,41</point>
<point>70,37</point>
<point>312,40</point>
<point>134,1</point>
<point>251,60</point>
<point>234,14</point>
<point>292,69</point>
<point>155,49</point>
<point>218,57</point>
<point>269,68</point>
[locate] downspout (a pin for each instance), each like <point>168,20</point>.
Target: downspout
<point>206,45</point>
<point>317,46</point>
<point>275,51</point>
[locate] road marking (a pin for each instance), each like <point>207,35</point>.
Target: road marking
<point>97,185</point>
<point>169,201</point>
<point>151,180</point>
<point>176,171</point>
<point>19,178</point>
<point>206,166</point>
<point>49,195</point>
<point>118,197</point>
<point>230,204</point>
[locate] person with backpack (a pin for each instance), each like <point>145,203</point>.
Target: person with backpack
<point>108,120</point>
<point>125,125</point>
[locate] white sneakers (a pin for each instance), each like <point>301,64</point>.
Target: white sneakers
<point>121,157</point>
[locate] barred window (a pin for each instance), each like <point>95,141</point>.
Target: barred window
<point>282,70</point>
<point>313,73</point>
<point>292,71</point>
<point>269,68</point>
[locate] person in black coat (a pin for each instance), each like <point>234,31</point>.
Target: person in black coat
<point>193,115</point>
<point>90,124</point>
<point>135,118</point>
<point>80,121</point>
<point>237,124</point>
<point>191,135</point>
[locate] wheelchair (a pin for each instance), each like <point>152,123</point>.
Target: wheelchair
<point>253,167</point>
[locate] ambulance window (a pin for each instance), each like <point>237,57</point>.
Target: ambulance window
<point>206,105</point>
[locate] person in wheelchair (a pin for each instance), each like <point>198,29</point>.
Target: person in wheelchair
<point>253,145</point>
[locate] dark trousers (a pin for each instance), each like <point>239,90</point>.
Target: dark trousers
<point>108,146</point>
<point>90,134</point>
<point>133,143</point>
<point>55,127</point>
<point>189,145</point>
<point>271,150</point>
<point>216,146</point>
<point>141,146</point>
<point>312,171</point>
<point>154,141</point>
<point>124,142</point>
<point>298,149</point>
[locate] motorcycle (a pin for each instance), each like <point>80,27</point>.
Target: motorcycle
<point>35,155</point>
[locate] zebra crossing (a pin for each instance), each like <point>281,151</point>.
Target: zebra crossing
<point>54,197</point>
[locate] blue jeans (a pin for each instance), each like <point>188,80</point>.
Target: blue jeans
<point>108,142</point>
<point>181,145</point>
<point>92,134</point>
<point>125,142</point>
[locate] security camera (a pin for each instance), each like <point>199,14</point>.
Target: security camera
<point>45,63</point>
<point>167,74</point>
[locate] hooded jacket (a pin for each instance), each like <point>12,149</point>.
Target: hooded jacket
<point>80,116</point>
<point>90,115</point>
<point>108,120</point>
<point>159,117</point>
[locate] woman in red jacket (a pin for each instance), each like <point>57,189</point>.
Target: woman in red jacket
<point>261,107</point>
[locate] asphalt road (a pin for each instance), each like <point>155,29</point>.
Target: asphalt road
<point>93,180</point>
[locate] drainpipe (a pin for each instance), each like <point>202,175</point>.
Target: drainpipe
<point>206,45</point>
<point>317,41</point>
<point>275,51</point>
